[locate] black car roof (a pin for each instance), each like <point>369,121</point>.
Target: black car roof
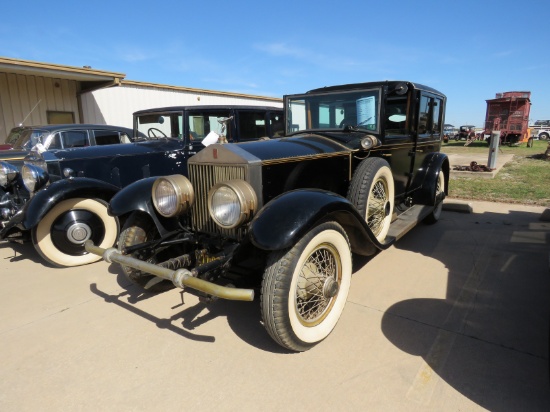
<point>389,83</point>
<point>206,107</point>
<point>74,126</point>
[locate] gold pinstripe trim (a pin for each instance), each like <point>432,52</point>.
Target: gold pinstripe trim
<point>307,157</point>
<point>348,153</point>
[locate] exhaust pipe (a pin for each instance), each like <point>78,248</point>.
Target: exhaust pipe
<point>181,278</point>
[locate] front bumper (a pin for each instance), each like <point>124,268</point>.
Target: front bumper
<point>181,278</point>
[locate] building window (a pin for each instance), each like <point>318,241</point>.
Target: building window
<point>60,117</point>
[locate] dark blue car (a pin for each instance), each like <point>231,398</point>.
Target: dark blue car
<point>58,198</point>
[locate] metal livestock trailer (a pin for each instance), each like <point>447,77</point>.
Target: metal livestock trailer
<point>508,114</point>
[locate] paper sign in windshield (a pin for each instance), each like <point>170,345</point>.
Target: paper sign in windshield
<point>366,111</point>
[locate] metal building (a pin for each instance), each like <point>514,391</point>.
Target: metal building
<point>115,105</point>
<point>37,93</point>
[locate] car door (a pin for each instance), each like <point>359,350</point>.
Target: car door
<point>399,140</point>
<point>430,122</point>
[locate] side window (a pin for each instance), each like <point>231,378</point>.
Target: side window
<point>53,141</point>
<point>430,115</point>
<point>103,137</point>
<point>436,125</point>
<point>252,125</point>
<point>424,115</point>
<point>396,116</point>
<point>277,125</point>
<point>201,124</point>
<point>75,138</point>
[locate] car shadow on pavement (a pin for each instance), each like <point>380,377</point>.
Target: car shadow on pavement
<point>243,317</point>
<point>488,337</point>
<point>162,323</point>
<point>23,251</point>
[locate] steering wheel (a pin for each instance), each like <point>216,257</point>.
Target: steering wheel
<point>152,130</point>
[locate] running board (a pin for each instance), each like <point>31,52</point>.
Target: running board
<point>407,220</point>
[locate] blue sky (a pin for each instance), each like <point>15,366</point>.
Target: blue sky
<point>469,50</point>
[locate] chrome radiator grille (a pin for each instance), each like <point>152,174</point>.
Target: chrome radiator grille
<point>203,177</point>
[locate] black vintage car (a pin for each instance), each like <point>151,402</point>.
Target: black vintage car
<point>467,132</point>
<point>60,197</point>
<point>359,167</point>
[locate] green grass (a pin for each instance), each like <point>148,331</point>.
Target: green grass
<point>524,180</point>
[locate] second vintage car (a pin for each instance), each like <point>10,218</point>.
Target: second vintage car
<point>55,137</point>
<point>59,198</point>
<point>359,166</point>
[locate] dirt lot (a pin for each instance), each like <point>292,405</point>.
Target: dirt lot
<point>454,317</point>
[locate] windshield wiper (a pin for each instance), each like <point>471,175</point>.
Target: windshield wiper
<point>349,128</point>
<point>356,128</point>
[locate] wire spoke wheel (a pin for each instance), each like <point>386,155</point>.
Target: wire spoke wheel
<point>377,206</point>
<point>139,228</point>
<point>305,288</point>
<point>317,283</point>
<point>371,191</point>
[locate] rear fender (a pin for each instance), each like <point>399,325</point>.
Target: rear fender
<point>45,199</point>
<point>288,217</point>
<point>426,178</point>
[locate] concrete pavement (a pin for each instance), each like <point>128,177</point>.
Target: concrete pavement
<point>453,317</point>
<point>465,159</point>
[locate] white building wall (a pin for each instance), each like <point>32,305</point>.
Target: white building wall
<point>115,105</point>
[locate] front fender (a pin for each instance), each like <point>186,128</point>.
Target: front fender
<point>137,197</point>
<point>42,202</point>
<point>288,217</point>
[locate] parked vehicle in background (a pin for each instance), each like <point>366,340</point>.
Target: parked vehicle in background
<point>22,139</point>
<point>449,132</point>
<point>540,130</point>
<point>508,114</point>
<point>360,166</point>
<point>541,134</point>
<point>59,197</point>
<point>467,132</point>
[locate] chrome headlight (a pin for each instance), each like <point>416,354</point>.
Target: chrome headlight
<point>34,177</point>
<point>232,203</point>
<point>172,195</point>
<point>370,141</point>
<point>8,173</point>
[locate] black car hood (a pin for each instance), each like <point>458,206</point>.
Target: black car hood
<point>302,145</point>
<point>123,149</point>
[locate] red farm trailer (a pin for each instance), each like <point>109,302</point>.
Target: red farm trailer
<point>508,114</point>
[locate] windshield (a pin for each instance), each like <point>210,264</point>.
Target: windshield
<point>24,138</point>
<point>199,124</point>
<point>335,110</point>
<point>159,125</point>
